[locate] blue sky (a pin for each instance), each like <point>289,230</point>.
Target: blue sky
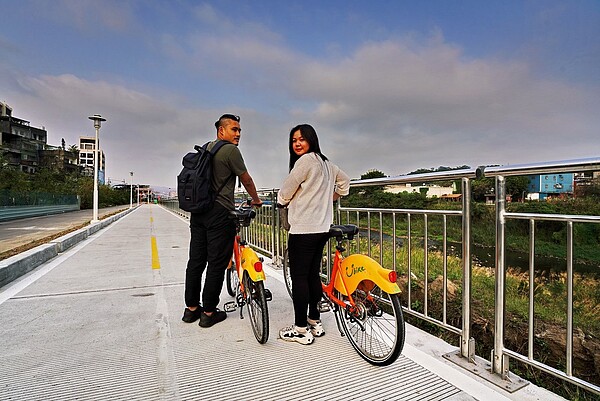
<point>388,85</point>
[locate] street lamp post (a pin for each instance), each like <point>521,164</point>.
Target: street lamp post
<point>131,191</point>
<point>97,121</point>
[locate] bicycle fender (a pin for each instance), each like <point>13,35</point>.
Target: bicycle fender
<point>357,269</point>
<point>249,259</point>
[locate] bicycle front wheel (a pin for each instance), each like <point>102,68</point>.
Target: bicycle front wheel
<point>232,278</point>
<point>256,301</point>
<point>287,276</point>
<point>376,328</point>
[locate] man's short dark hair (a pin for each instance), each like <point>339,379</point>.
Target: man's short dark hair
<point>226,117</point>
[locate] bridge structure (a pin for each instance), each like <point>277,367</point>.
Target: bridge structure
<point>102,320</point>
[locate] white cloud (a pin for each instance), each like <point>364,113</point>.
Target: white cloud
<point>142,133</point>
<point>428,105</point>
<point>395,105</point>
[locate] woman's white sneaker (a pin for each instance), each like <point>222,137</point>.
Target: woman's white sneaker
<point>301,335</point>
<point>316,327</point>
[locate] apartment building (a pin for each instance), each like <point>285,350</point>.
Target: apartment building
<point>86,158</point>
<point>20,142</point>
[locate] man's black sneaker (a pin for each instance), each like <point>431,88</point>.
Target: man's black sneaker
<point>191,316</point>
<point>216,317</point>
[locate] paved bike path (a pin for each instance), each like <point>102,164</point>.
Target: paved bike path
<point>103,321</point>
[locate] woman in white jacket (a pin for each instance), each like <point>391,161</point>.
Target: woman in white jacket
<point>309,191</point>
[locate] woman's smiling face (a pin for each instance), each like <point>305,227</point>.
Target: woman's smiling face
<point>299,144</point>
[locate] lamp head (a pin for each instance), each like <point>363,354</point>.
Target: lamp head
<point>97,120</point>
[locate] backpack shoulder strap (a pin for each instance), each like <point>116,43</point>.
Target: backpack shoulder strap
<point>215,148</point>
<point>218,145</point>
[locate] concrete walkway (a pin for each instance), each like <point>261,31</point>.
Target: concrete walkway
<point>102,321</point>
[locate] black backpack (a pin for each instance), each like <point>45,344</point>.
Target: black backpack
<point>194,184</point>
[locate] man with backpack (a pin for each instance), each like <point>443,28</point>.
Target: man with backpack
<point>213,231</point>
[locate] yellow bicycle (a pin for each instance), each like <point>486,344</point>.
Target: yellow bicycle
<point>245,279</point>
<point>364,297</point>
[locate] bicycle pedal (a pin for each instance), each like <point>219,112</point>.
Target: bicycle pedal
<point>229,306</point>
<point>268,294</point>
<point>323,307</point>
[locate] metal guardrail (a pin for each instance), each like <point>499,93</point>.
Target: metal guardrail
<point>21,212</point>
<point>500,353</point>
<point>266,234</point>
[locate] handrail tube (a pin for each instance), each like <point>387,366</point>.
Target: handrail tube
<point>405,211</point>
<point>564,166</point>
<point>575,218</point>
<point>412,178</point>
<point>429,319</point>
<point>425,266</point>
<point>569,355</point>
<point>467,268</point>
<point>409,246</point>
<point>555,372</point>
<point>445,269</point>
<point>531,320</point>
<point>497,357</point>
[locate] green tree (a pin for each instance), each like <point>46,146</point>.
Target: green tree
<point>12,179</point>
<point>516,187</point>
<point>591,190</point>
<point>370,189</point>
<point>481,187</point>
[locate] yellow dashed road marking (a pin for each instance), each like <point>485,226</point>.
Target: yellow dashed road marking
<point>153,246</point>
<point>155,260</point>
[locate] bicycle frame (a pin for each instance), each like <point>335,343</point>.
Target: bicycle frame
<point>246,283</point>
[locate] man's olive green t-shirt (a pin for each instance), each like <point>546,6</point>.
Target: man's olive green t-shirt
<point>228,164</point>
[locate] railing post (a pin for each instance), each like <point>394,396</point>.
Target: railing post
<point>569,369</point>
<point>274,225</point>
<point>467,346</point>
<point>499,365</point>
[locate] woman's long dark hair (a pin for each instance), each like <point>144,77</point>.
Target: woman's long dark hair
<point>308,133</point>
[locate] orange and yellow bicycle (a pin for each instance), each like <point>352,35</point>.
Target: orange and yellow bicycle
<point>364,297</point>
<point>245,279</point>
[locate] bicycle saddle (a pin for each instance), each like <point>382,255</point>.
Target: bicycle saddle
<point>349,230</point>
<point>243,213</point>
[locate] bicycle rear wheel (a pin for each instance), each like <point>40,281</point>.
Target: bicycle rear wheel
<point>376,329</point>
<point>287,276</point>
<point>256,301</point>
<point>232,278</point>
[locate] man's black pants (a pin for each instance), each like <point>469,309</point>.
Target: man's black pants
<point>211,248</point>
